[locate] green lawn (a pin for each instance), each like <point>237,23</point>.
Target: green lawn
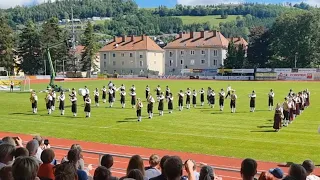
<point>200,130</point>
<point>214,20</point>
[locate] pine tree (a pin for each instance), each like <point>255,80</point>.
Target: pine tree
<point>88,57</point>
<point>6,46</point>
<point>230,61</point>
<point>30,50</point>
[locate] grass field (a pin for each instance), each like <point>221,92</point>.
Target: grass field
<point>214,20</point>
<point>201,130</point>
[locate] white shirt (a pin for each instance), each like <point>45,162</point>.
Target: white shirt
<point>222,93</point>
<point>188,93</point>
<point>158,89</point>
<point>151,99</point>
<point>271,94</point>
<point>133,93</point>
<point>110,91</point>
<point>62,97</point>
<point>87,90</point>
<point>253,95</point>
<point>229,88</point>
<point>181,94</point>
<point>312,177</point>
<point>161,98</point>
<point>133,88</point>
<point>54,95</point>
<point>122,87</point>
<point>212,93</point>
<point>194,94</point>
<point>73,99</point>
<point>201,92</point>
<point>35,97</point>
<point>123,93</point>
<point>104,89</point>
<point>49,97</point>
<point>96,93</point>
<point>147,89</point>
<point>88,101</point>
<point>38,154</point>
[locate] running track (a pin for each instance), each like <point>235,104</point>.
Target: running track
<point>121,163</point>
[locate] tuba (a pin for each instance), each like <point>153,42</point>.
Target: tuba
<point>32,98</point>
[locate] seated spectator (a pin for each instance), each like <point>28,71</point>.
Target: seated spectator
<point>65,171</point>
<point>153,171</point>
<point>21,151</point>
<point>248,169</point>
<point>309,167</point>
<point>73,158</point>
<point>6,173</point>
<point>6,154</point>
<point>277,173</point>
<point>102,173</point>
<point>107,161</point>
<point>32,147</point>
<point>25,168</point>
<point>81,161</point>
<point>135,174</point>
<point>46,169</point>
<point>16,141</point>
<point>266,176</point>
<point>206,173</point>
<point>296,172</point>
<point>162,175</point>
<point>41,146</point>
<point>173,168</point>
<point>135,162</point>
<point>196,174</point>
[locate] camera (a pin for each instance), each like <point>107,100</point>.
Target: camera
<point>46,142</point>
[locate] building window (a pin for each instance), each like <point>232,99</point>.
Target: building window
<point>122,71</point>
<point>215,62</point>
<point>122,63</point>
<point>114,71</point>
<point>113,55</point>
<point>104,56</point>
<point>170,63</point>
<point>105,64</point>
<point>192,52</point>
<point>114,63</point>
<point>141,56</point>
<point>181,61</point>
<point>203,52</point>
<point>215,53</point>
<point>122,54</point>
<point>203,61</point>
<point>131,71</point>
<point>182,52</point>
<point>141,63</point>
<point>170,54</point>
<point>131,55</point>
<point>192,62</point>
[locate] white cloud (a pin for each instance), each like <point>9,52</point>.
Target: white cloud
<point>313,2</point>
<point>208,2</point>
<point>12,3</point>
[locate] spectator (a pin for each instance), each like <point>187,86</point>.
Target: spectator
<point>9,140</point>
<point>41,146</point>
<point>102,173</point>
<point>25,168</point>
<point>196,174</point>
<point>266,176</point>
<point>248,169</point>
<point>162,175</point>
<point>65,171</point>
<point>6,154</point>
<point>107,161</point>
<point>21,151</point>
<point>81,161</point>
<point>135,162</point>
<point>173,168</point>
<point>276,172</point>
<point>46,169</point>
<point>6,173</point>
<point>135,174</point>
<point>309,167</point>
<point>153,171</point>
<point>32,147</point>
<point>74,157</point>
<point>206,173</point>
<point>297,172</point>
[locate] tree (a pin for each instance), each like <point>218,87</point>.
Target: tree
<point>89,55</point>
<point>231,60</point>
<point>30,50</point>
<point>6,46</point>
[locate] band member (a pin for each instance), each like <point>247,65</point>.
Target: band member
<point>292,109</point>
<point>307,98</point>
<point>150,106</point>
<point>297,102</point>
<point>87,107</point>
<point>96,96</point>
<point>122,87</point>
<point>170,103</point>
<point>73,100</point>
<point>233,101</point>
<point>194,98</point>
<point>302,100</point>
<point>221,99</point>
<point>11,86</point>
<point>252,97</point>
<point>228,91</point>
<point>278,116</point>
<point>201,96</point>
<point>114,88</point>
<point>208,94</point>
<point>86,93</point>
<point>212,98</point>
<point>54,97</point>
<point>73,92</point>
<point>133,95</point>
<point>180,100</point>
<point>104,94</point>
<point>188,98</point>
<point>123,98</point>
<point>158,90</point>
<point>34,102</point>
<point>110,93</point>
<point>160,105</point>
<point>133,88</point>
<point>291,93</point>
<point>167,93</point>
<point>138,109</point>
<point>286,112</point>
<point>270,102</point>
<point>62,97</point>
<point>48,100</point>
<point>147,91</point>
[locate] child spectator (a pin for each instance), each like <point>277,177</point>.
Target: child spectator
<point>153,171</point>
<point>46,169</point>
<point>25,168</point>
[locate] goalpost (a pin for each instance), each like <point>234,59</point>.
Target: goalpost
<point>26,84</point>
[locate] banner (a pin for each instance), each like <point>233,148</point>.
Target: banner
<point>5,84</point>
<point>224,71</point>
<point>270,74</point>
<point>235,78</point>
<point>316,76</point>
<point>264,70</point>
<point>282,70</point>
<point>186,71</point>
<point>243,71</point>
<point>295,76</point>
<point>307,70</point>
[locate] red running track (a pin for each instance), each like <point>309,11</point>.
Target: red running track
<point>120,164</point>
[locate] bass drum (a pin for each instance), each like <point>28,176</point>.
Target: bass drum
<point>82,92</point>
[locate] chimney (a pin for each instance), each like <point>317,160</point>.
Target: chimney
<point>132,38</point>
<point>214,33</point>
<point>180,35</point>
<point>239,38</point>
<point>143,37</point>
<point>202,34</point>
<point>114,39</point>
<point>124,38</point>
<point>191,35</point>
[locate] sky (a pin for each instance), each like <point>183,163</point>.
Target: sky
<point>168,3</point>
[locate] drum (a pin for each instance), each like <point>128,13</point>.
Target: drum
<point>82,92</point>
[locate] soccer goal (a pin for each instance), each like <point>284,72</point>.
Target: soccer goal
<point>26,84</point>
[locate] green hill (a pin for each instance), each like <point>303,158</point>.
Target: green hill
<point>214,19</point>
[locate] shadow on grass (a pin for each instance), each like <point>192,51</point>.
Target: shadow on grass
<point>261,110</point>
<point>264,126</point>
<point>19,92</point>
<point>264,131</point>
<point>128,120</point>
<point>28,114</point>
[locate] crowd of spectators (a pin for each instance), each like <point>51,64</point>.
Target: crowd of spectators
<point>37,161</point>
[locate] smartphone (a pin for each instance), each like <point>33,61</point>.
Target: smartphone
<point>46,142</point>
<point>15,140</point>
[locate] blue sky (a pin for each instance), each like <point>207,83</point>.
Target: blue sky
<point>156,3</point>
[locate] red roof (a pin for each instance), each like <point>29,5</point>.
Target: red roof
<point>238,41</point>
<point>203,39</point>
<point>131,43</point>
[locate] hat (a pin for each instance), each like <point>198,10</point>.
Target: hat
<point>277,172</point>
